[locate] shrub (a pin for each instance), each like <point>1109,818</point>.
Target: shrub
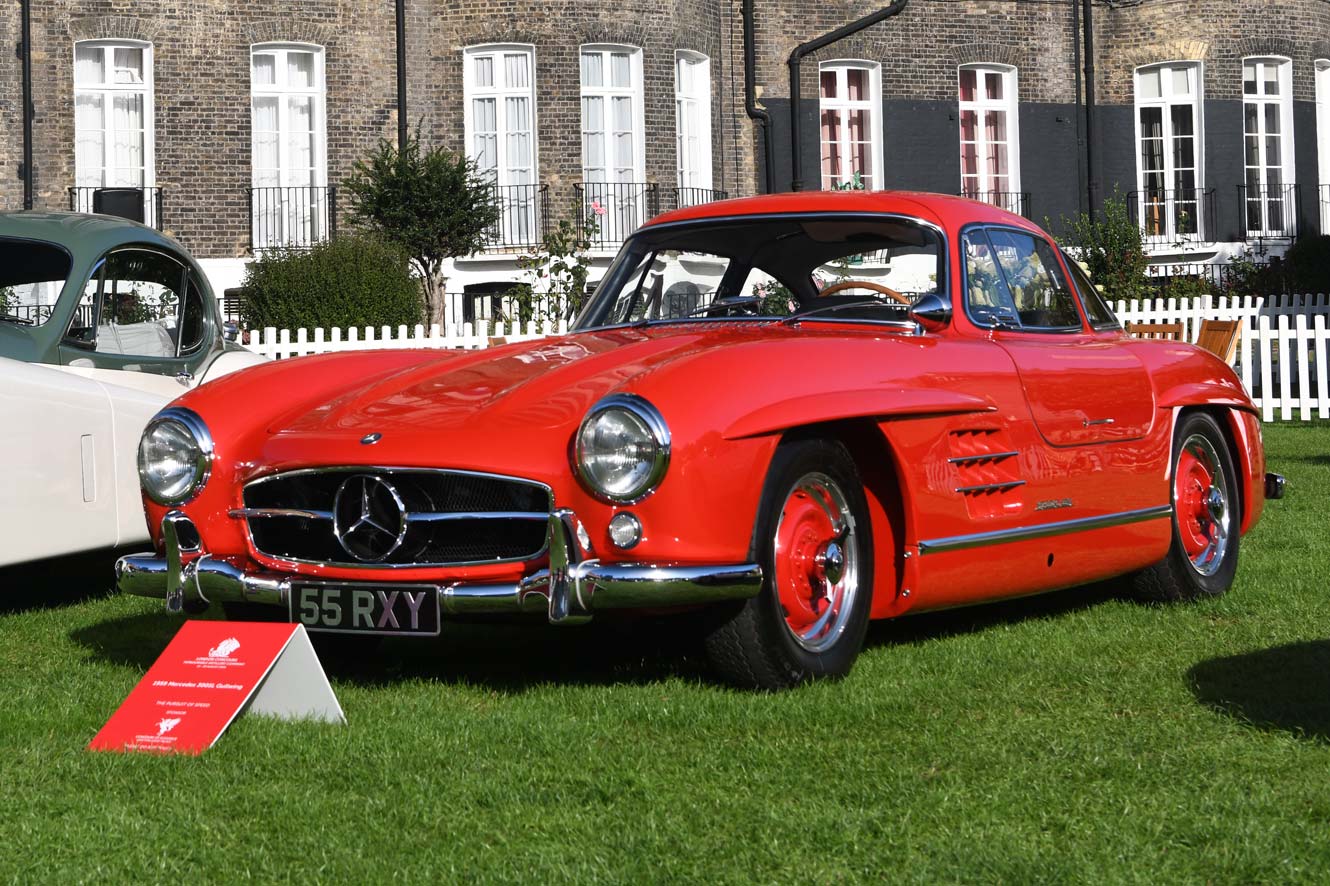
<point>346,281</point>
<point>1111,245</point>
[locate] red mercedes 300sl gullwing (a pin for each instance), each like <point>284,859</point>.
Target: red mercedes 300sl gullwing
<point>787,414</point>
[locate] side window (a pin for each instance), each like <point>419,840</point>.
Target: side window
<point>131,306</point>
<point>1101,316</point>
<point>1041,295</point>
<point>192,322</point>
<point>989,299</point>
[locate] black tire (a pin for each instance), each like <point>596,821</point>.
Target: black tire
<point>755,644</point>
<point>1186,573</point>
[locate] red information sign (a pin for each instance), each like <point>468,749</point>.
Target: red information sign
<point>211,672</point>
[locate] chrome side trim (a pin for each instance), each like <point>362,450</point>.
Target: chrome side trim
<point>991,487</point>
<point>1004,536</point>
<point>987,456</point>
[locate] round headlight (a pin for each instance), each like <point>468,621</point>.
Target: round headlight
<point>175,456</point>
<point>623,448</point>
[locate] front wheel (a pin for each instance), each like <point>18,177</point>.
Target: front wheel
<point>1203,558</point>
<point>815,545</point>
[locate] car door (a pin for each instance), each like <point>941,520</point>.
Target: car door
<point>1082,388</point>
<point>141,323</point>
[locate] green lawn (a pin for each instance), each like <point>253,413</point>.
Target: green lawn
<point>1073,737</point>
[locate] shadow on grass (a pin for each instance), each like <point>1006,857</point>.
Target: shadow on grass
<point>1285,688</point>
<point>59,581</point>
<point>512,657</point>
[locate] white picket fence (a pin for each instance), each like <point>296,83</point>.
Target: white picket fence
<point>1281,351</point>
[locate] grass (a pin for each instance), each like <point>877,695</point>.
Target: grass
<point>1071,737</point>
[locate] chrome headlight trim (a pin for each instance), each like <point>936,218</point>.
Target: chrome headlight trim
<point>203,443</point>
<point>641,409</point>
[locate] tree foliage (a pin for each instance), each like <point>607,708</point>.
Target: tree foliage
<point>1112,245</point>
<point>433,203</point>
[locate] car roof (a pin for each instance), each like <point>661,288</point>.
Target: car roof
<point>79,231</point>
<point>941,209</point>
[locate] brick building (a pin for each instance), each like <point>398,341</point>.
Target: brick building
<point>230,122</point>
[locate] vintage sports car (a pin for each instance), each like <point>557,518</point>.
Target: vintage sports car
<point>785,415</point>
<point>102,322</point>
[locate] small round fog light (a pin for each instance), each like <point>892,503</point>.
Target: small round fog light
<point>625,530</point>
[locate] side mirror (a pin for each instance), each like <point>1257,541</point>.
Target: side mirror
<point>231,330</point>
<point>932,312</point>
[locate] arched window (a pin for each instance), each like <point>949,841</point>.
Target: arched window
<point>849,104</point>
<point>498,82</point>
<point>1169,153</point>
<point>692,118</point>
<point>613,153</point>
<point>113,119</point>
<point>990,153</point>
<point>1267,135</point>
<point>288,143</point>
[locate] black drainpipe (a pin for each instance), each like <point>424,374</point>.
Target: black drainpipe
<point>1080,107</point>
<point>401,75</point>
<point>27,105</point>
<point>750,98</point>
<point>803,49</point>
<point>1091,174</point>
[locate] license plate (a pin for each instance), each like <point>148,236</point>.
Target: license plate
<point>367,609</point>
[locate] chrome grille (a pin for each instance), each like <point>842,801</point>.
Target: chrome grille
<point>377,517</point>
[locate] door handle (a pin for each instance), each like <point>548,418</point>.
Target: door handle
<point>1091,422</point>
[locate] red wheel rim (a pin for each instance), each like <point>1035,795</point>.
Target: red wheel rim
<point>1201,505</point>
<point>816,561</point>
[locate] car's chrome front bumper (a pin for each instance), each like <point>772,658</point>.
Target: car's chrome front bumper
<point>569,590</point>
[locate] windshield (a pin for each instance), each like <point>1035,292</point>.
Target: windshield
<point>32,274</point>
<point>835,267</point>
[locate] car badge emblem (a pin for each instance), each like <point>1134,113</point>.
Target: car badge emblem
<point>369,518</point>
<point>371,439</point>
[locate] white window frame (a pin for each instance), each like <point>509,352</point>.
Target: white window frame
<point>982,105</point>
<point>1323,140</point>
<point>616,206</point>
<point>873,105</point>
<point>518,201</point>
<point>1167,100</point>
<point>107,89</point>
<point>293,219</point>
<point>607,93</point>
<point>1288,179</point>
<point>692,124</point>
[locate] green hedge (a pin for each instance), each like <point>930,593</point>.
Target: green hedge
<point>346,281</point>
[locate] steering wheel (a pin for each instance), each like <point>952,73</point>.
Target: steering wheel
<point>865,284</point>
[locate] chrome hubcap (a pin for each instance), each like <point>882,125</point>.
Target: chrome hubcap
<point>816,577</point>
<point>1200,502</point>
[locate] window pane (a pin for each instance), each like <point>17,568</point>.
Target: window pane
<point>263,69</point>
<point>1249,78</point>
<point>518,70</point>
<point>828,81</point>
<point>128,65</point>
<point>858,123</point>
<point>89,144</point>
<point>593,112</point>
<point>969,160</point>
<point>967,84</point>
<point>88,65</point>
<point>623,113</point>
<point>996,125</point>
<point>593,147</point>
<point>1148,84</point>
<point>1272,118</point>
<point>300,70</point>
<point>969,122</point>
<point>593,69</point>
<point>1183,120</point>
<point>1272,79</point>
<point>620,69</point>
<point>482,115</point>
<point>484,71</point>
<point>856,84</point>
<point>1181,81</point>
<point>993,80</point>
<point>516,107</point>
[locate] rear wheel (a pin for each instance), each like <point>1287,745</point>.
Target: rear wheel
<point>1203,558</point>
<point>816,550</point>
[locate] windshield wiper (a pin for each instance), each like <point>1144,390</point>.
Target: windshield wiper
<point>10,318</point>
<point>828,309</point>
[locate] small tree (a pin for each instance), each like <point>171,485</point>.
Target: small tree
<point>434,204</point>
<point>1112,245</point>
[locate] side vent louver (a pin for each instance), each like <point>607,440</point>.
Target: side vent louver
<point>986,471</point>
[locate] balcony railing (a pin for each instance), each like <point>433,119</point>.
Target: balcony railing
<point>1184,216</point>
<point>136,204</point>
<point>609,211</point>
<point>1270,211</point>
<point>1012,201</point>
<point>696,196</point>
<point>523,210</point>
<point>291,217</point>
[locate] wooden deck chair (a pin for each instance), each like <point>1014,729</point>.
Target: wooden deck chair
<point>1220,337</point>
<point>1163,331</point>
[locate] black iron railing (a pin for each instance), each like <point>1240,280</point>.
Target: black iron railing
<point>523,211</point>
<point>1270,211</point>
<point>609,211</point>
<point>291,217</point>
<point>136,204</point>
<point>1183,216</point>
<point>1012,201</point>
<point>696,196</point>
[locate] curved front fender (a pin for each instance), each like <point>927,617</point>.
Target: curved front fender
<point>864,403</point>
